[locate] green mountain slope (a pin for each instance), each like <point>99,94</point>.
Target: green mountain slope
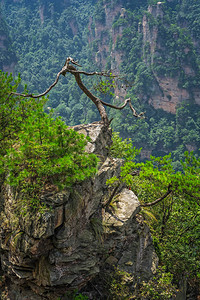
<point>153,46</point>
<point>7,53</point>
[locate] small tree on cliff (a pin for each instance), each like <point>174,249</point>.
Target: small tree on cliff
<point>69,67</point>
<point>38,153</point>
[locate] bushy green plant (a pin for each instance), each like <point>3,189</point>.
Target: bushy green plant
<point>80,297</point>
<point>173,211</point>
<point>75,295</point>
<point>158,288</point>
<point>120,285</point>
<point>38,150</point>
<point>106,86</point>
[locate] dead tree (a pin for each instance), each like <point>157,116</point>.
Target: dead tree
<point>69,67</point>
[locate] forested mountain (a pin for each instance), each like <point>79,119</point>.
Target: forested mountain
<point>7,53</point>
<point>153,46</point>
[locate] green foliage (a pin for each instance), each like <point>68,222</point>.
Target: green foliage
<point>178,214</point>
<point>170,61</point>
<point>190,14</point>
<point>144,78</point>
<point>161,132</point>
<point>37,149</point>
<point>7,53</point>
<point>80,297</point>
<point>42,41</point>
<point>122,148</point>
<point>11,111</point>
<point>160,287</point>
<point>74,296</point>
<point>43,36</point>
<point>174,220</point>
<point>106,86</point>
<point>120,283</point>
<point>99,12</point>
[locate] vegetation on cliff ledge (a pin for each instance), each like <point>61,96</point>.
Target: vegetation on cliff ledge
<point>170,203</point>
<point>38,151</point>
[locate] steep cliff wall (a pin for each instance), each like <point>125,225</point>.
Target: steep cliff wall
<point>153,49</point>
<point>167,91</point>
<point>114,30</point>
<point>105,35</point>
<point>171,64</point>
<point>46,255</point>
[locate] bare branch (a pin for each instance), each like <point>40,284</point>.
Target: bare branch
<point>121,107</point>
<point>70,59</point>
<point>40,95</point>
<point>74,70</point>
<point>105,74</point>
<point>94,99</point>
<point>159,199</point>
<point>69,68</point>
<point>141,115</point>
<point>116,107</point>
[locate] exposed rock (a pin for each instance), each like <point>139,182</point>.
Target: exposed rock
<point>100,138</point>
<point>41,13</point>
<point>166,92</point>
<point>156,10</point>
<point>45,255</point>
<point>104,33</point>
<point>168,95</point>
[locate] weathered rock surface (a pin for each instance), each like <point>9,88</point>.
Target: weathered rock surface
<point>165,92</point>
<point>44,256</point>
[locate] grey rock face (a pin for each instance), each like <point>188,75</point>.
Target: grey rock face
<point>45,255</point>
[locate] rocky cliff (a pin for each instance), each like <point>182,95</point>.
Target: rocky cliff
<point>167,91</point>
<point>45,255</point>
<point>105,36</point>
<point>157,51</point>
<point>113,32</point>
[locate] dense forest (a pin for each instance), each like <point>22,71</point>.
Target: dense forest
<point>44,34</point>
<point>149,46</point>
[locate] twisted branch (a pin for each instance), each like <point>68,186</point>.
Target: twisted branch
<point>69,68</point>
<point>121,107</point>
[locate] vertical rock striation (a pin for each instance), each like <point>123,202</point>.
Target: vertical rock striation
<point>173,69</point>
